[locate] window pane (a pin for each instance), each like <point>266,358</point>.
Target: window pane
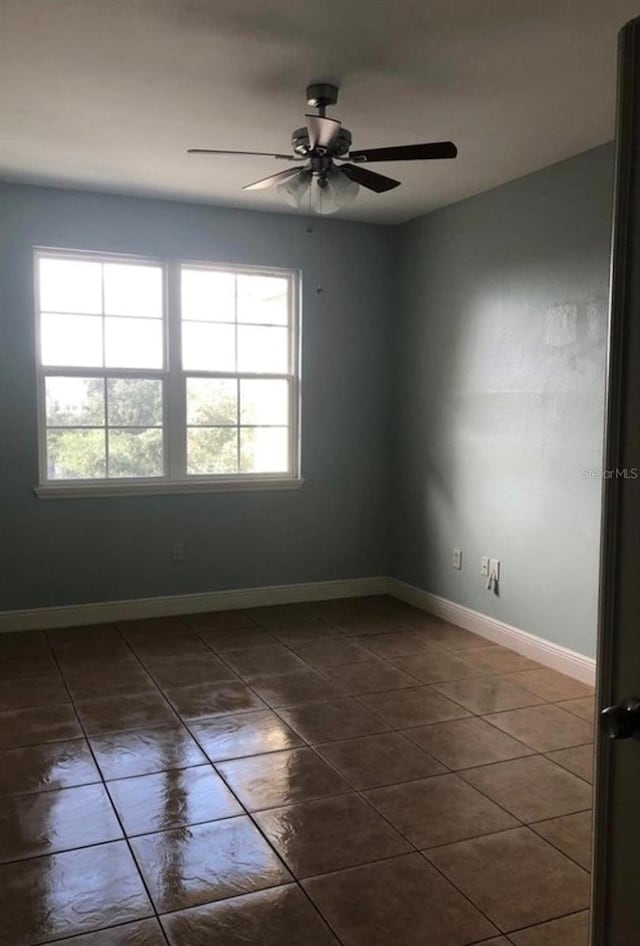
<point>135,452</point>
<point>71,340</point>
<point>75,454</point>
<point>134,402</point>
<point>264,450</point>
<point>208,295</point>
<point>264,402</point>
<point>212,401</point>
<point>212,450</point>
<point>133,343</point>
<point>208,347</point>
<point>263,299</point>
<point>70,286</point>
<point>133,290</point>
<point>262,349</point>
<point>74,402</point>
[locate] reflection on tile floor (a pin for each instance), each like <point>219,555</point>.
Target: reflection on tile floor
<point>349,772</point>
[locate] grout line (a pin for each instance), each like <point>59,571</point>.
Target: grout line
<point>104,784</point>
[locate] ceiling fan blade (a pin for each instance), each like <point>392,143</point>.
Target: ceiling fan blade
<point>426,152</point>
<point>371,179</point>
<point>254,154</point>
<point>322,131</point>
<point>271,180</point>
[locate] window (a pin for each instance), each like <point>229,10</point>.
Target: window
<point>165,376</point>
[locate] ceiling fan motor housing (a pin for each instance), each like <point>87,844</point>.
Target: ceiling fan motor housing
<point>301,145</point>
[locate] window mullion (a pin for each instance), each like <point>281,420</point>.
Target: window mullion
<point>175,393</point>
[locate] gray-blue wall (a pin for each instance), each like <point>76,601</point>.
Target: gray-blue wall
<point>500,338</point>
<point>62,552</point>
<point>453,374</point>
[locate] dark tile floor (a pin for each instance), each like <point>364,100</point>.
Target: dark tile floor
<point>348,772</point>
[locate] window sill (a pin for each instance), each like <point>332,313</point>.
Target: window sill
<point>96,490</point>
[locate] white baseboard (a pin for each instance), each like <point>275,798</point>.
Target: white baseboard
<point>99,612</point>
<point>529,645</point>
<point>545,652</point>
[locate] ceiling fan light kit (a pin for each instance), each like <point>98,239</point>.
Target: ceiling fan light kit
<point>332,174</point>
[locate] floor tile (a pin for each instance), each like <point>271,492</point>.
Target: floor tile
<point>96,665</point>
<point>544,728</point>
<point>87,684</point>
<point>276,615</point>
<point>567,931</point>
<point>24,692</point>
<point>515,878</point>
<point>269,658</point>
<point>39,898</point>
<point>189,866</point>
<point>455,639</point>
<point>47,767</point>
<point>298,686</point>
<point>222,639</point>
<point>13,667</point>
<point>282,915</point>
<point>32,825</point>
<point>144,933</point>
<point>143,751</point>
<point>339,719</point>
<point>186,669</point>
<point>438,810</point>
<point>436,668</point>
<point>281,778</point>
<point>172,799</point>
<point>23,644</point>
<point>213,699</point>
<point>384,903</point>
<point>399,644</point>
<point>487,694</point>
<point>370,676</point>
<point>179,642</point>
<point>571,835</point>
<point>383,759</point>
<point>300,631</point>
<point>499,660</point>
<point>329,834</point>
<point>551,685</point>
<point>244,734</point>
<point>334,652</point>
<point>578,760</point>
<point>103,639</point>
<point>120,713</point>
<point>404,708</point>
<point>585,708</point>
<point>463,743</point>
<point>359,626</point>
<point>532,789</point>
<point>219,620</point>
<point>37,725</point>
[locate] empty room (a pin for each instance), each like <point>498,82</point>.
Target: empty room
<point>320,473</point>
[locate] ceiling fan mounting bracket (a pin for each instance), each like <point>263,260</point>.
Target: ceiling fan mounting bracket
<point>322,94</point>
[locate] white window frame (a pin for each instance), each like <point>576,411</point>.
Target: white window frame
<point>176,478</point>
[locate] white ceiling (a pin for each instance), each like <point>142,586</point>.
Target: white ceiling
<point>109,94</point>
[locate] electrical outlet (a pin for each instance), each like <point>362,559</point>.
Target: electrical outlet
<point>177,552</point>
<point>456,558</point>
<point>484,566</point>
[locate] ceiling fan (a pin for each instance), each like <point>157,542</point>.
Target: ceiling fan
<point>323,147</point>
